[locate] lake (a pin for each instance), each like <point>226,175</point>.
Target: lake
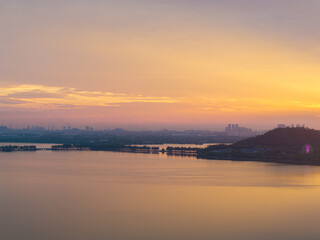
<point>85,195</point>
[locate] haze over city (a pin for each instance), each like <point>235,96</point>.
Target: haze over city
<point>160,64</point>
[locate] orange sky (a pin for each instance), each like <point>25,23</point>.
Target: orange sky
<point>160,64</point>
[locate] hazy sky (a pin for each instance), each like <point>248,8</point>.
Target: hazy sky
<point>160,64</point>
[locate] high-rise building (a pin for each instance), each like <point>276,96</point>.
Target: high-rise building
<point>236,130</point>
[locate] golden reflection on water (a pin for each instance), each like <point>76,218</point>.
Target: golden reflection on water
<point>104,195</point>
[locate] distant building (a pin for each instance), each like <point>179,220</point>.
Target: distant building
<point>236,130</point>
<point>87,128</point>
<point>292,126</point>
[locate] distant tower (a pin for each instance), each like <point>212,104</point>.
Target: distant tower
<point>228,128</point>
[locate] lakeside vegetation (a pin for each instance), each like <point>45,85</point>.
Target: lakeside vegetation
<point>13,148</point>
<point>282,145</point>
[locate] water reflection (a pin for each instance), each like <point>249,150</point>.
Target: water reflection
<point>103,195</point>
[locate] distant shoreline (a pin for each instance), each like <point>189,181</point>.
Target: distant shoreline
<point>182,152</point>
<point>278,161</point>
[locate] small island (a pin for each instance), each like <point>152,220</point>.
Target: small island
<point>13,148</point>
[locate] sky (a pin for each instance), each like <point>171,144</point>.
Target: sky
<point>151,64</point>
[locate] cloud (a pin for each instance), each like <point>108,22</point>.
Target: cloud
<point>39,96</point>
<point>8,101</point>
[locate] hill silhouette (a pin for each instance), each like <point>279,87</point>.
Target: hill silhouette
<point>281,145</point>
<point>284,138</point>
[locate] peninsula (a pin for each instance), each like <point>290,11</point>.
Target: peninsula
<point>291,145</point>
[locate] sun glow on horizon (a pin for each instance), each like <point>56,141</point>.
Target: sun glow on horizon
<point>171,62</point>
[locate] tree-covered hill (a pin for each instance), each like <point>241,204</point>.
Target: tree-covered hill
<point>284,138</point>
<point>282,145</point>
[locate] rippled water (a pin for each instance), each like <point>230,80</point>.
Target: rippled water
<point>104,195</point>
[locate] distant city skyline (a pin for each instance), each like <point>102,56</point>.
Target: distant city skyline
<point>230,128</point>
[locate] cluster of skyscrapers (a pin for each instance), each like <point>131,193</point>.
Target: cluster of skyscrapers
<point>236,130</point>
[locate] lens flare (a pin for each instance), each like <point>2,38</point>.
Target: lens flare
<point>307,149</point>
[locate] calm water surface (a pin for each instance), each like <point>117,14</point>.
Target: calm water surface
<point>104,195</point>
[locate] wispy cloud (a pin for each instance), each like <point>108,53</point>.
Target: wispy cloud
<point>256,105</point>
<point>38,96</point>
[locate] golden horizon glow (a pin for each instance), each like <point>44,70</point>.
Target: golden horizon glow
<point>52,97</point>
<point>191,63</point>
